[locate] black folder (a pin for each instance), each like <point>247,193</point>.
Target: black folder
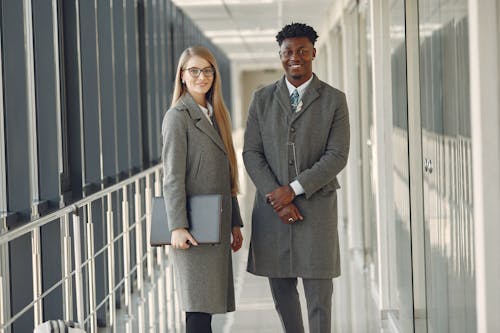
<point>204,217</point>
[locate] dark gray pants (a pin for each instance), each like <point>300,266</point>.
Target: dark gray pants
<point>198,322</point>
<point>318,294</point>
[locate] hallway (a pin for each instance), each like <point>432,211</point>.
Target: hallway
<point>84,86</point>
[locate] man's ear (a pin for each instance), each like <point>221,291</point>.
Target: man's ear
<point>314,53</point>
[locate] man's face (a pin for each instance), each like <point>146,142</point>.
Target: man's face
<point>296,56</point>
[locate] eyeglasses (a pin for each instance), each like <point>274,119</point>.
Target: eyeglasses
<point>289,53</point>
<point>195,71</point>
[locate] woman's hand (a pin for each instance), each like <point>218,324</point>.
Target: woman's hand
<point>182,239</point>
<point>237,239</point>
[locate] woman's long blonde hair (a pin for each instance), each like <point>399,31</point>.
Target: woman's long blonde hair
<point>214,97</point>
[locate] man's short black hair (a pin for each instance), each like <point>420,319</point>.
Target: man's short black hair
<point>296,30</point>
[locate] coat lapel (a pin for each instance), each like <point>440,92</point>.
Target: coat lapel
<point>201,121</point>
<point>282,96</point>
<point>310,94</point>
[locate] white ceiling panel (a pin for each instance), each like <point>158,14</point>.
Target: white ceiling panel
<point>245,29</point>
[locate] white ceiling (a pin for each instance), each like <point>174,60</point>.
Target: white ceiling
<point>245,29</point>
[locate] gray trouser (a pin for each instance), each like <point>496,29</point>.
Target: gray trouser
<point>318,294</point>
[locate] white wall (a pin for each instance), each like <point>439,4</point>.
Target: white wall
<point>485,119</point>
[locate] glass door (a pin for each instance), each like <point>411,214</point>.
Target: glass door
<point>446,152</point>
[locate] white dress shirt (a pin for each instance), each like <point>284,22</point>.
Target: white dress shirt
<point>207,111</point>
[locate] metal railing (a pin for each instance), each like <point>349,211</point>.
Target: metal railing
<point>162,305</point>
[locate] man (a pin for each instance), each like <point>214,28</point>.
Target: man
<point>295,146</point>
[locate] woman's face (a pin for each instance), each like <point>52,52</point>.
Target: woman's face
<point>199,85</point>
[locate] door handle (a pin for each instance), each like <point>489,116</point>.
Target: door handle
<point>428,165</point>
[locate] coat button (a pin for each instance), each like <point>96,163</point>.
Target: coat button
<point>292,129</point>
<point>290,162</point>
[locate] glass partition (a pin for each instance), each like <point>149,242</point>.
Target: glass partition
<point>367,135</point>
<point>446,150</point>
<point>401,282</point>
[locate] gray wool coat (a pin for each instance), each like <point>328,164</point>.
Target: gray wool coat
<point>311,146</point>
<point>195,162</point>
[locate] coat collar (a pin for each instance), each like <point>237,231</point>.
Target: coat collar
<point>186,101</point>
<point>282,95</point>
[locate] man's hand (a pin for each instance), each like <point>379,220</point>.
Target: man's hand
<point>290,214</point>
<point>280,197</point>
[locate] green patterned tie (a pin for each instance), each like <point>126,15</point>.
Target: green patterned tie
<point>294,100</point>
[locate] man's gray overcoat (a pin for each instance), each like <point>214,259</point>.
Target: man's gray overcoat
<point>311,146</point>
<point>195,162</point>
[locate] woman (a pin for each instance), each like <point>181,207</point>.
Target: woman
<point>199,158</point>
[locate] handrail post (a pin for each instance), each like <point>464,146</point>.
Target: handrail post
<point>152,293</point>
<point>170,299</point>
<point>147,200</point>
<point>169,283</point>
<point>91,270</point>
<point>66,269</point>
<point>37,276</point>
<point>138,238</point>
<point>77,248</point>
<point>139,252</point>
<point>178,312</point>
<point>126,249</point>
<point>111,263</point>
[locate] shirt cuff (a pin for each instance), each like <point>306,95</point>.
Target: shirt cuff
<point>297,188</point>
